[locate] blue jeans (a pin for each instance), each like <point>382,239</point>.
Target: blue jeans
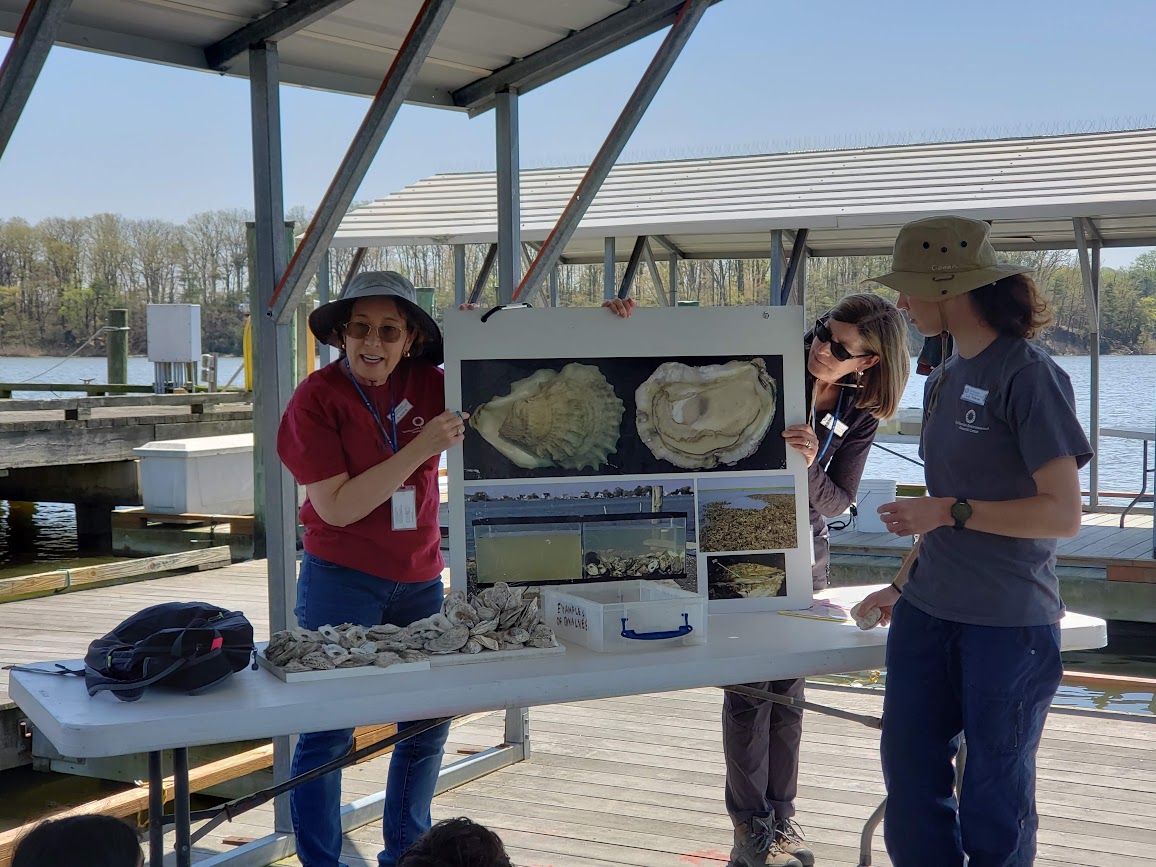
<point>328,593</point>
<point>993,685</point>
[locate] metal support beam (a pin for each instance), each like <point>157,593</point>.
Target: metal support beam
<point>354,266</point>
<point>509,195</point>
<point>1090,272</point>
<point>775,271</point>
<point>636,21</point>
<point>554,286</point>
<point>272,357</point>
<point>655,277</point>
<point>632,267</point>
<point>801,282</point>
<point>670,246</point>
<point>673,281</point>
<point>798,253</point>
<point>324,288</point>
<point>609,283</point>
<point>276,25</point>
<point>640,99</point>
<point>358,158</point>
<point>484,274</point>
<point>459,274</point>
<point>31,43</point>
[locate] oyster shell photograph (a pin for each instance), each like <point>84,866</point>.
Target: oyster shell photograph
<point>699,416</point>
<point>549,533</point>
<point>746,514</point>
<point>746,576</point>
<point>621,416</point>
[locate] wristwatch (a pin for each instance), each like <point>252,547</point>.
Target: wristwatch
<point>961,512</point>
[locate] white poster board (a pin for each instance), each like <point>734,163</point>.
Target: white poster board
<point>602,449</point>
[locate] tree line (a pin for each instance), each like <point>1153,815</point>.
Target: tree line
<point>60,276</point>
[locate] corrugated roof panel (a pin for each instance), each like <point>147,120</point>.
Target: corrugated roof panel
<point>705,203</point>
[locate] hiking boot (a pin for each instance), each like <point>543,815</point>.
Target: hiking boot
<point>789,836</point>
<point>757,845</point>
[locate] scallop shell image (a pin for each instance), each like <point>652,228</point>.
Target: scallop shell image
<point>700,417</point>
<point>567,418</point>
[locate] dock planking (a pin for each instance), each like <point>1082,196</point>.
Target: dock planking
<point>638,780</point>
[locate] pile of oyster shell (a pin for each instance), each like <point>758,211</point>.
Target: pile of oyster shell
<point>498,618</point>
<point>609,564</point>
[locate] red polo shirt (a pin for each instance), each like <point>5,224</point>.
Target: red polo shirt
<point>327,430</point>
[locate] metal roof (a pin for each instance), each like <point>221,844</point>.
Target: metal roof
<point>347,46</point>
<point>852,201</point>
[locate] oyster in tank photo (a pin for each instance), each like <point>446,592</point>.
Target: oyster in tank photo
<point>700,417</point>
<point>567,418</point>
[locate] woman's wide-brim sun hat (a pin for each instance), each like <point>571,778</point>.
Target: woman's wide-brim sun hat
<point>326,321</point>
<point>942,257</point>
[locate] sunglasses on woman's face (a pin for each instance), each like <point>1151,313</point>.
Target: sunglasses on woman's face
<point>838,350</point>
<point>360,331</point>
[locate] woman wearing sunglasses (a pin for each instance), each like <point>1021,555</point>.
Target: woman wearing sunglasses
<point>857,367</point>
<point>363,435</point>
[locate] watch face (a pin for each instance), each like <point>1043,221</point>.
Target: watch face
<point>960,511</point>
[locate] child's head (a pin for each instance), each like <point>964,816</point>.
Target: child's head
<point>456,843</point>
<point>97,841</point>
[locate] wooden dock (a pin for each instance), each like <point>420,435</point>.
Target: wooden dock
<point>1101,542</point>
<point>638,780</point>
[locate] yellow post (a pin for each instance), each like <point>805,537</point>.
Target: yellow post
<point>247,351</point>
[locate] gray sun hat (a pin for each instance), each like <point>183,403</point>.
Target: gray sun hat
<point>325,322</point>
<point>942,257</point>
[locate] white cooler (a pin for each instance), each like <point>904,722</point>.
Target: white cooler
<point>199,476</point>
<point>655,615</point>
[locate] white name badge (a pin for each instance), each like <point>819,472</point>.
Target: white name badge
<point>839,428</point>
<point>402,409</point>
<point>404,504</point>
<point>971,394</point>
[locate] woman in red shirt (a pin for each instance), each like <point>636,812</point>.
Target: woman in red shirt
<point>363,435</point>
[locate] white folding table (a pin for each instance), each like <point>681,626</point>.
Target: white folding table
<point>742,648</point>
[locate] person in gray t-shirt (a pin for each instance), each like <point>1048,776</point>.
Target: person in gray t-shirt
<point>973,647</point>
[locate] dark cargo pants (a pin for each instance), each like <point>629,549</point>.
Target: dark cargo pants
<point>761,745</point>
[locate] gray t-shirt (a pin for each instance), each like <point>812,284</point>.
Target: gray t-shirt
<point>997,418</point>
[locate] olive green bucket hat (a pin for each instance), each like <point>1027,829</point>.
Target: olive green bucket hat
<point>942,257</point>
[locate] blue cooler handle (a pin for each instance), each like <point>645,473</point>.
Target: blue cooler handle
<point>685,629</point>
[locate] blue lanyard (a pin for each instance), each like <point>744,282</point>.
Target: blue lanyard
<point>391,435</point>
<point>834,424</point>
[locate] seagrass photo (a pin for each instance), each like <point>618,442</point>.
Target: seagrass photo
<point>622,416</point>
<point>571,532</point>
<point>746,576</point>
<point>746,514</point>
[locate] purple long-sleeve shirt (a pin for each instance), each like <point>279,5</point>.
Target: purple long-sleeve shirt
<point>833,481</point>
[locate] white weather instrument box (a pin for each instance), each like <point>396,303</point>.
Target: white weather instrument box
<point>174,333</point>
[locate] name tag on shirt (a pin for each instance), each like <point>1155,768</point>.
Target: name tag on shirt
<point>971,394</point>
<point>404,503</point>
<point>839,427</point>
<point>402,409</point>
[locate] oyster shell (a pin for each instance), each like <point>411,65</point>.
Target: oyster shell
<point>566,418</point>
<point>700,417</point>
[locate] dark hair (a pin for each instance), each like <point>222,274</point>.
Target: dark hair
<point>407,311</point>
<point>95,841</point>
<point>457,843</point>
<point>1013,306</point>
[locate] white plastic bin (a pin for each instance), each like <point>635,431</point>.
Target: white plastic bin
<point>873,493</point>
<point>655,615</point>
<point>199,476</point>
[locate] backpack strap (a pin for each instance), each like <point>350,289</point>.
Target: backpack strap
<point>118,687</point>
<point>58,669</point>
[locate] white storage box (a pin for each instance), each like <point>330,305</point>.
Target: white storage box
<point>173,333</point>
<point>200,476</point>
<point>655,615</point>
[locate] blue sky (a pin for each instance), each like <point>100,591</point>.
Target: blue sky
<point>106,134</point>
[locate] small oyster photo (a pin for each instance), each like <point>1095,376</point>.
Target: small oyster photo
<point>746,576</point>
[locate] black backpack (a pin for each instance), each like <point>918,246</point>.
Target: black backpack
<point>189,646</point>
